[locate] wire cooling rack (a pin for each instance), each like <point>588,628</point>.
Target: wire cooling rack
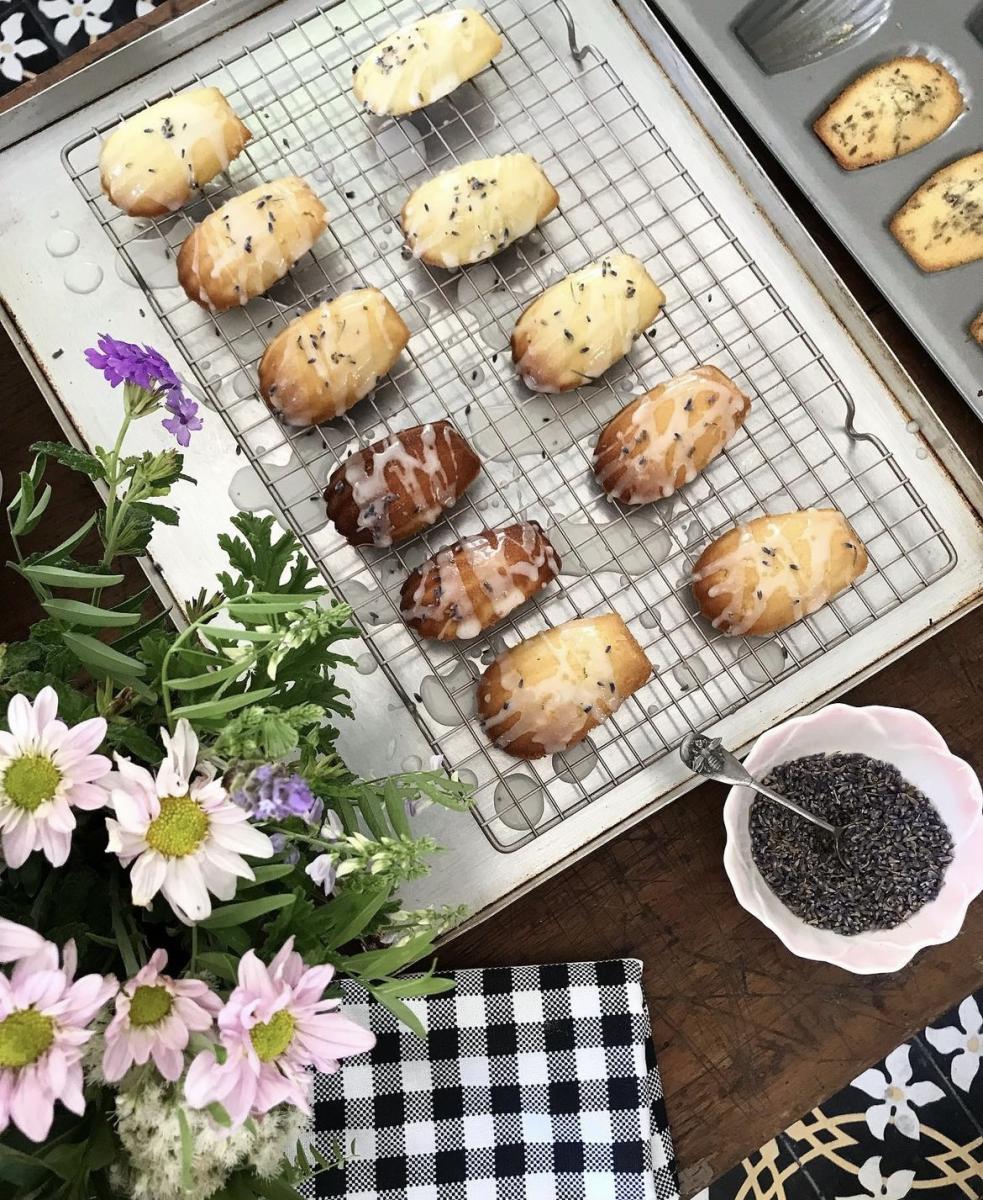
<point>621,186</point>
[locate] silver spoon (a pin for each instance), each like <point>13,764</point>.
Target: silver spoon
<point>706,756</point>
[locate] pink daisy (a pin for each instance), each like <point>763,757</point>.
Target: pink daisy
<point>155,1016</point>
<point>180,830</point>
<point>44,1017</point>
<point>45,769</point>
<point>273,1026</point>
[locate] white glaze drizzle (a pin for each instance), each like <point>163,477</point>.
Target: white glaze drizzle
<point>666,426</point>
<point>499,580</point>
<point>474,210</point>
<point>420,63</point>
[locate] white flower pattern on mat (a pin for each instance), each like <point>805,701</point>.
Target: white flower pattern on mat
<point>969,1043</point>
<point>896,1094</point>
<point>73,15</point>
<point>144,7</point>
<point>893,1187</point>
<point>12,49</point>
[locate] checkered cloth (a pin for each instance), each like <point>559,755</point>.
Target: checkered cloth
<point>533,1083</point>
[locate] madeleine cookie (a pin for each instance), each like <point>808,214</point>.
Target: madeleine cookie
<point>665,438</point>
<point>941,225</point>
<point>577,328</point>
<point>249,243</point>
<point>478,581</point>
<point>892,109</point>
<point>976,328</point>
<point>401,484</point>
<point>476,209</point>
<point>420,63</point>
<point>547,694</point>
<point>324,362</point>
<point>151,163</point>
<point>760,577</point>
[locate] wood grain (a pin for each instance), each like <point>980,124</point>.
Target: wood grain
<point>748,1037</point>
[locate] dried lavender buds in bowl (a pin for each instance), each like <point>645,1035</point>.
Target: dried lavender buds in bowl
<point>907,746</point>
<point>895,848</point>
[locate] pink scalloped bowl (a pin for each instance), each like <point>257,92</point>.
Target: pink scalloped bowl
<point>909,742</point>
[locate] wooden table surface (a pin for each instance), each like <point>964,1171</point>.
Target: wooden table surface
<point>748,1037</point>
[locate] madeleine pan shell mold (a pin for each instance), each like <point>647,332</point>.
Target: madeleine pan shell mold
<point>784,34</point>
<point>894,735</point>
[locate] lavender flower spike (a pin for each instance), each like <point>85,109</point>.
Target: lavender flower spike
<point>273,793</point>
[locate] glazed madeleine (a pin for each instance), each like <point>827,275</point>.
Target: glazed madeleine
<point>476,209</point>
<point>249,243</point>
<point>577,328</point>
<point>324,362</point>
<point>420,63</point>
<point>478,581</point>
<point>763,576</point>
<point>547,694</point>
<point>662,440</point>
<point>400,484</point>
<point>151,163</point>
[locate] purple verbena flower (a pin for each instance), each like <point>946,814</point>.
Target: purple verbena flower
<point>184,420</point>
<point>273,793</point>
<point>125,362</point>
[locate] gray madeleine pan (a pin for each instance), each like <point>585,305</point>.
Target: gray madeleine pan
<point>833,42</point>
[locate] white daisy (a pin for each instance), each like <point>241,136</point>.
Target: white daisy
<point>75,15</point>
<point>969,1043</point>
<point>12,49</point>
<point>183,835</point>
<point>897,1095</point>
<point>45,769</point>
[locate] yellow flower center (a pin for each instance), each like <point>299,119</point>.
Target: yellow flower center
<point>24,1037</point>
<point>973,1045</point>
<point>180,829</point>
<point>31,780</point>
<point>894,1093</point>
<point>150,1005</point>
<point>272,1038</point>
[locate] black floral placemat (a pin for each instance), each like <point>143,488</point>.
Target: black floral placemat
<point>36,34</point>
<point>910,1126</point>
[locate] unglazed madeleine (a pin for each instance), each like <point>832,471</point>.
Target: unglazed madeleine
<point>941,225</point>
<point>665,438</point>
<point>762,576</point>
<point>476,209</point>
<point>324,362</point>
<point>151,163</point>
<point>890,110</point>
<point>418,64</point>
<point>976,327</point>
<point>577,328</point>
<point>547,694</point>
<point>249,243</point>
<point>400,484</point>
<point>478,581</point>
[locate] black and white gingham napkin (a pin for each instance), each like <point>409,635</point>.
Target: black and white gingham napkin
<point>534,1083</point>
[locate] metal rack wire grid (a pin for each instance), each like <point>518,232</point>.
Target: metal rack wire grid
<point>621,186</point>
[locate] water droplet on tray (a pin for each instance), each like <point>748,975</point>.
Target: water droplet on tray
<point>412,762</point>
<point>573,766</point>
<point>519,802</point>
<point>767,662</point>
<point>366,664</point>
<point>83,277</point>
<point>61,243</point>
<point>913,427</point>
<point>153,263</point>
<point>691,674</point>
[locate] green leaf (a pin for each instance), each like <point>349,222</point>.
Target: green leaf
<point>69,456</point>
<point>218,963</point>
<point>374,964</point>
<point>248,608</point>
<point>66,578</point>
<point>275,1189</point>
<point>70,543</point>
<point>218,708</point>
<point>267,874</point>
<point>159,512</point>
<point>187,1148</point>
<point>136,740</point>
<point>220,633</point>
<point>402,1012</point>
<point>77,612</point>
<point>248,910</point>
<point>17,1167</point>
<point>218,1114</point>
<point>195,683</point>
<point>27,520</point>
<point>420,985</point>
<point>102,658</point>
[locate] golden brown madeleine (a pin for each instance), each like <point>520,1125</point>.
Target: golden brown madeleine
<point>249,243</point>
<point>547,694</point>
<point>976,328</point>
<point>327,360</point>
<point>941,225</point>
<point>762,576</point>
<point>418,64</point>
<point>890,110</point>
<point>577,328</point>
<point>151,163</point>
<point>400,484</point>
<point>665,438</point>
<point>476,209</point>
<point>478,581</point>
